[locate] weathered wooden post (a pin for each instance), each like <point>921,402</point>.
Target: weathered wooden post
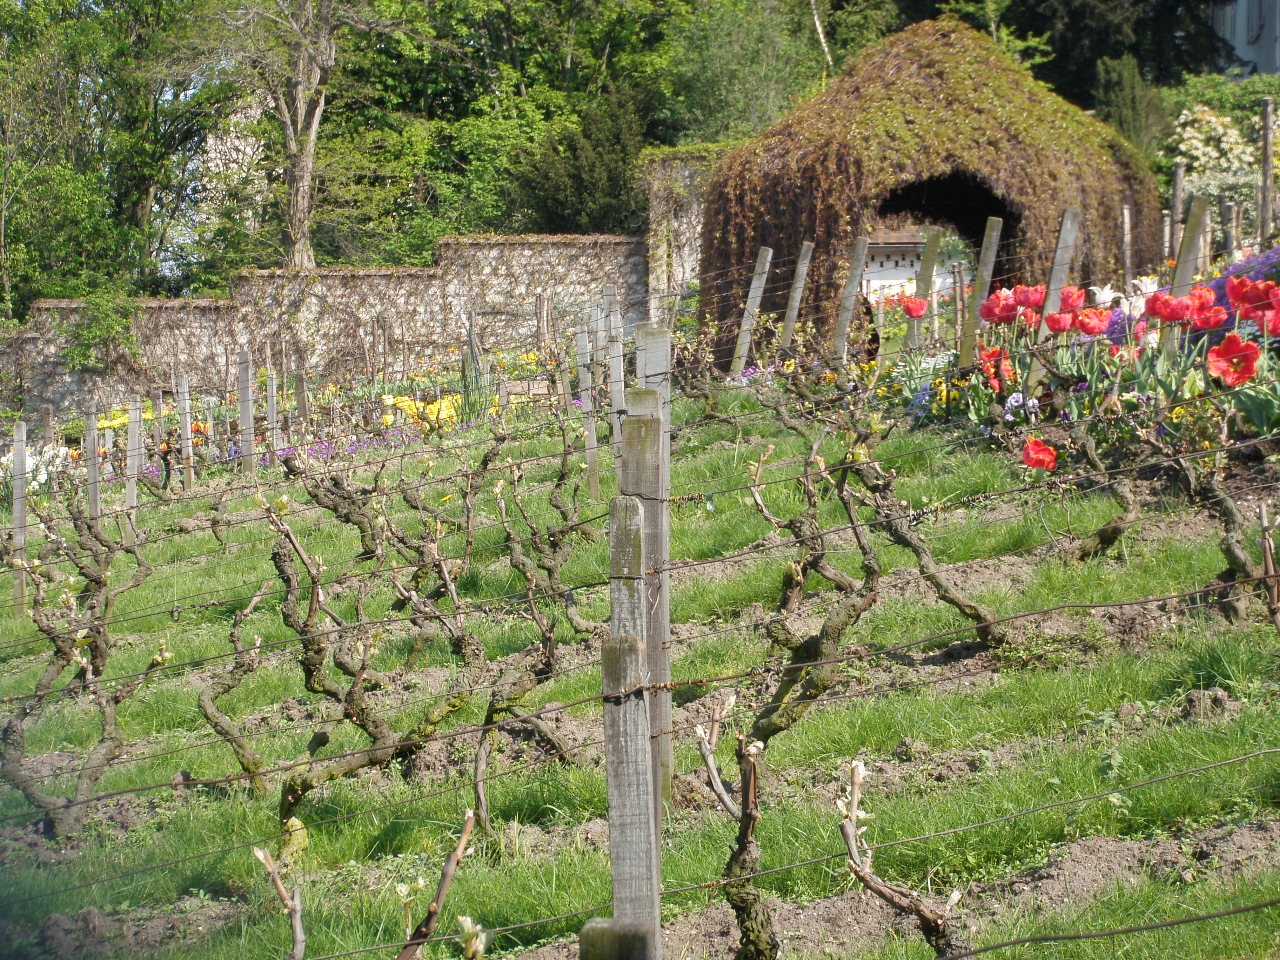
<point>644,473</point>
<point>273,417</point>
<point>1176,205</point>
<point>133,452</point>
<point>634,841</point>
<point>754,295</point>
<point>617,388</point>
<point>981,289</point>
<point>849,301</point>
<point>46,423</point>
<point>302,407</point>
<point>1126,247</point>
<point>795,298</point>
<point>924,283</point>
<point>1230,239</point>
<point>1184,268</point>
<point>1166,227</point>
<point>188,440</point>
<point>93,462</point>
<point>582,340</point>
<point>1266,204</point>
<point>20,473</point>
<point>1059,272</point>
<point>247,460</point>
<point>157,418</point>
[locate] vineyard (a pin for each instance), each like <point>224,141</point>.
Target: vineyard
<point>973,639</point>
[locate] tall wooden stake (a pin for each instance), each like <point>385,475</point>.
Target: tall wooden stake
<point>634,840</point>
<point>797,296</point>
<point>1184,269</point>
<point>644,472</point>
<point>188,440</point>
<point>586,390</point>
<point>849,301</point>
<point>1176,205</point>
<point>247,459</point>
<point>617,388</point>
<point>20,469</point>
<point>1126,247</point>
<point>93,463</point>
<point>981,287</point>
<point>1059,272</point>
<point>924,282</point>
<point>754,296</point>
<point>1266,206</point>
<point>133,452</point>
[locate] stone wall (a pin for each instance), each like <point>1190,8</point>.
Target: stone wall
<point>339,321</point>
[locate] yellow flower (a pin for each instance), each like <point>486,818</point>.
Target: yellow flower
<point>388,419</point>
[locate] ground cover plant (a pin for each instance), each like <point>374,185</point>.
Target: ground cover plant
<point>1031,633</point>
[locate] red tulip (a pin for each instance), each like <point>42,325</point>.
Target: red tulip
<point>1038,455</point>
<point>1000,307</point>
<point>1058,322</point>
<point>1032,297</point>
<point>1092,322</point>
<point>914,307</point>
<point>1072,299</point>
<point>1234,361</point>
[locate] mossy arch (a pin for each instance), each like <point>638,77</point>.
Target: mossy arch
<point>932,125</point>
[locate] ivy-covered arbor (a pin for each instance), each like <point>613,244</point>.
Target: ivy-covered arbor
<point>932,125</point>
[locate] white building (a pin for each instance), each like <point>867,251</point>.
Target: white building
<point>1252,27</point>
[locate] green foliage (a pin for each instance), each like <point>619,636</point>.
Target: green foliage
<point>580,179</point>
<point>1127,102</point>
<point>102,333</point>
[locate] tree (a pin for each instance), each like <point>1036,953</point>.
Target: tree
<point>1127,102</point>
<point>580,180</point>
<point>291,46</point>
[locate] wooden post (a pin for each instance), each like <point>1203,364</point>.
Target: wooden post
<point>246,413</point>
<point>924,282</point>
<point>273,417</point>
<point>617,389</point>
<point>1059,272</point>
<point>634,841</point>
<point>1230,239</point>
<point>93,494</point>
<point>1266,205</point>
<point>302,409</point>
<point>644,472</point>
<point>981,288</point>
<point>849,300</point>
<point>957,299</point>
<point>1166,226</point>
<point>1126,247</point>
<point>20,514</point>
<point>46,423</point>
<point>605,939</point>
<point>1185,267</point>
<point>184,425</point>
<point>132,466</point>
<point>754,296</point>
<point>157,418</point>
<point>585,390</point>
<point>1176,205</point>
<point>797,295</point>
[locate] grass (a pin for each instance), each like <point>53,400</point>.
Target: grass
<point>1041,719</point>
